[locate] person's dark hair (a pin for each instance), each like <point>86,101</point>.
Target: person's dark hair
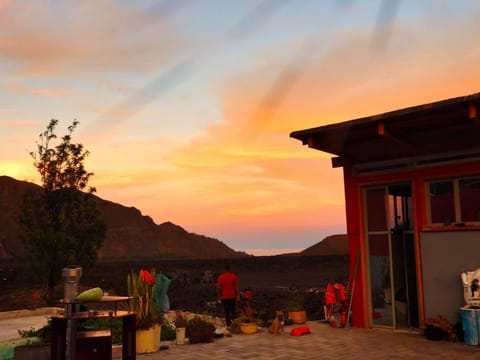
<point>227,267</point>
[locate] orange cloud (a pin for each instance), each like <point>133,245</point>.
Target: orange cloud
<point>248,171</point>
<point>247,174</point>
<point>18,124</point>
<point>16,88</point>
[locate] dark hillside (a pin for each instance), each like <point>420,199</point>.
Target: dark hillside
<point>331,245</point>
<point>274,280</point>
<point>130,234</point>
<point>192,261</point>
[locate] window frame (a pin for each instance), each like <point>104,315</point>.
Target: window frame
<point>456,201</point>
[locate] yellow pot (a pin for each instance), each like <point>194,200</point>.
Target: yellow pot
<point>148,341</point>
<point>248,328</point>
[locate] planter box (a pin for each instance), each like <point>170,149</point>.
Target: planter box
<point>7,346</point>
<point>32,352</point>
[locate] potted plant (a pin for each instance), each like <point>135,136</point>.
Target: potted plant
<point>37,344</point>
<point>180,327</point>
<point>296,310</point>
<point>168,331</point>
<point>141,286</point>
<point>199,330</point>
<point>247,322</point>
<point>249,325</point>
<point>438,328</point>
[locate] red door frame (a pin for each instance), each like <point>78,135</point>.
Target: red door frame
<point>356,231</point>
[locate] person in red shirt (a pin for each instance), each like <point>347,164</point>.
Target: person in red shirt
<point>228,292</point>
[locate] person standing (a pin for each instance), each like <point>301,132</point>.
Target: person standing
<point>228,292</point>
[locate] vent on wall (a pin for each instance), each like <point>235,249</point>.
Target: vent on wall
<point>414,163</point>
<point>445,159</point>
<point>381,168</point>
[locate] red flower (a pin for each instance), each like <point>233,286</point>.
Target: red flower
<point>248,295</point>
<point>147,277</point>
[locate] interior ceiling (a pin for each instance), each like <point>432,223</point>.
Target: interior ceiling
<point>451,125</point>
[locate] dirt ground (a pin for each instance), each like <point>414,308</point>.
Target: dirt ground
<point>276,282</point>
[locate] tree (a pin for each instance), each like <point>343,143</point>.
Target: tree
<point>61,225</point>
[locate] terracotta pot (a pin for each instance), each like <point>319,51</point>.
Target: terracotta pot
<point>298,316</point>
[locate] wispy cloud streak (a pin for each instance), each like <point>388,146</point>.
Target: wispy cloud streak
<point>247,26</point>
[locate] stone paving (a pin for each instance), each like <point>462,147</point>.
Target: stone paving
<point>324,342</point>
<point>12,321</point>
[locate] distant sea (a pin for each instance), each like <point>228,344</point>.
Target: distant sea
<point>270,252</point>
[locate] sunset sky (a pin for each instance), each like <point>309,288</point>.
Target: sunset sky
<point>186,106</point>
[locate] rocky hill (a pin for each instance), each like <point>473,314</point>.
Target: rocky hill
<point>331,245</point>
<point>130,234</point>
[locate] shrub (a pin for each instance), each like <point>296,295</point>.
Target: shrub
<point>200,330</point>
<point>43,333</point>
<point>180,320</point>
<point>168,332</point>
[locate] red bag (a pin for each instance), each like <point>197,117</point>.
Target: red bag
<point>330,297</point>
<point>336,305</point>
<point>299,331</point>
<point>340,290</point>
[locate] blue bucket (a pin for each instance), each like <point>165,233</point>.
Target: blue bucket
<point>470,325</point>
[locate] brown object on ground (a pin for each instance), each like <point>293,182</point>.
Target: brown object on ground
<point>277,326</point>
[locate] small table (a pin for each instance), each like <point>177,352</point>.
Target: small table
<point>69,344</point>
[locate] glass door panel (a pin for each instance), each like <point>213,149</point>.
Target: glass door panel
<point>391,253</point>
<point>380,284</point>
<point>376,206</point>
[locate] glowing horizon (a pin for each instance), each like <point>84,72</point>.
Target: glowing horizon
<point>186,109</point>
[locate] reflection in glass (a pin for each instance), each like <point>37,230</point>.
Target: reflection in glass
<point>376,205</point>
<point>442,204</point>
<point>391,254</point>
<point>470,200</point>
<point>380,280</point>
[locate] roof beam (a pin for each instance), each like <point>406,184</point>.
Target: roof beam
<point>395,135</point>
<point>337,162</point>
<point>473,114</point>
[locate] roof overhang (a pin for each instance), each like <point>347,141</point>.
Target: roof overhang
<point>441,127</point>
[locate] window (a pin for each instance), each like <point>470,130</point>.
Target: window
<point>470,199</point>
<point>442,202</point>
<point>454,201</point>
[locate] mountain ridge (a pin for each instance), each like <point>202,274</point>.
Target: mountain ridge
<point>130,234</point>
<point>332,245</point>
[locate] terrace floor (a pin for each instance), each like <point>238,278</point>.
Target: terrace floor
<point>323,342</point>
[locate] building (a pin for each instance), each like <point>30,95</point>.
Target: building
<point>412,197</point>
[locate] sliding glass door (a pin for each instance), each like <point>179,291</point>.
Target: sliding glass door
<point>391,256</point>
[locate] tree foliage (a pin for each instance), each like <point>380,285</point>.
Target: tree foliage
<point>61,225</point>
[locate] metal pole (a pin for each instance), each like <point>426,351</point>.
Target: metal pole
<point>357,261</point>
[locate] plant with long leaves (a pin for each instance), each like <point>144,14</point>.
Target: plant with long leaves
<point>141,286</point>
